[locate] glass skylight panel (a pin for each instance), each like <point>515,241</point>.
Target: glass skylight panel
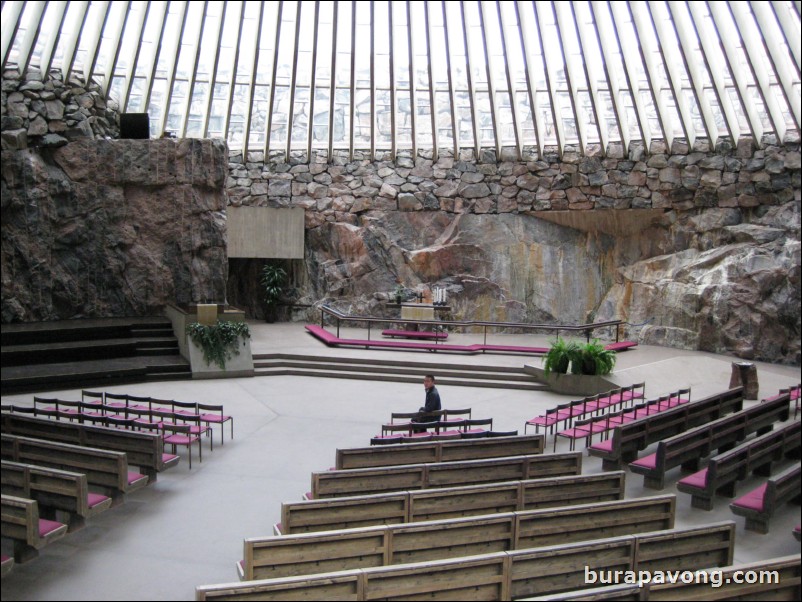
<point>414,74</point>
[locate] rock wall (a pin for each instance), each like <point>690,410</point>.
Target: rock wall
<point>714,265</point>
<point>99,228</point>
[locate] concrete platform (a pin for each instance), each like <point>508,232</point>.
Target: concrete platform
<point>187,528</point>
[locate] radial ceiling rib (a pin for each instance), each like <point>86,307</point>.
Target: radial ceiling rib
<point>130,68</point>
<point>755,56</point>
<point>612,82</point>
<point>548,76</point>
<point>561,10</point>
<point>312,77</point>
<point>451,88</point>
<point>93,38</point>
<point>692,68</point>
<point>37,10</point>
<point>160,17</point>
<point>673,73</point>
<point>12,16</point>
<point>115,40</point>
<point>293,74</point>
<point>585,43</point>
<point>432,106</point>
<point>630,64</point>
<point>352,99</point>
<point>516,118</point>
<point>778,57</point>
<point>279,12</point>
<point>413,101</point>
<point>490,86</point>
<point>739,74</point>
<point>791,30</point>
<point>58,15</point>
<point>172,51</point>
<point>471,84</point>
<point>229,98</point>
<point>715,69</point>
<point>193,75</point>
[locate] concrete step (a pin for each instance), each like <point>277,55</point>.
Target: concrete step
<point>395,371</point>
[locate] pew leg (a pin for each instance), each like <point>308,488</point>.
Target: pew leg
<point>727,490</point>
<point>23,552</point>
<point>763,471</point>
<point>690,465</point>
<point>655,482</point>
<point>611,464</point>
<point>702,503</point>
<point>757,525</point>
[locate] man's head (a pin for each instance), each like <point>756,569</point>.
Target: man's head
<point>428,381</point>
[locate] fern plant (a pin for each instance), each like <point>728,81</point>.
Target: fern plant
<point>559,356</point>
<point>219,341</point>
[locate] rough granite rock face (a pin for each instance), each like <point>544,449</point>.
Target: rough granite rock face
<point>727,286</point>
<point>100,228</point>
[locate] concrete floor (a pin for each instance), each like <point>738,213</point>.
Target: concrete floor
<point>187,529</point>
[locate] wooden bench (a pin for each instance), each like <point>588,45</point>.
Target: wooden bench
<point>619,593</point>
<point>759,505</point>
<point>753,456</point>
<point>285,556</point>
<point>22,525</point>
<point>733,586</point>
<point>104,469</point>
<point>145,450</point>
<point>365,481</point>
<point>7,564</point>
<point>438,451</point>
<point>497,576</point>
<point>433,504</point>
<point>56,491</point>
<point>689,447</point>
<point>629,438</point>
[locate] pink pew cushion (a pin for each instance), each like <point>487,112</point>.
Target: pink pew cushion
<point>133,477</point>
<point>48,526</point>
<point>603,445</point>
<point>94,499</point>
<point>754,499</point>
<point>649,461</point>
<point>697,479</point>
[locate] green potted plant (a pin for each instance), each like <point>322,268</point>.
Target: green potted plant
<point>593,359</point>
<point>559,356</point>
<point>273,280</point>
<point>219,342</point>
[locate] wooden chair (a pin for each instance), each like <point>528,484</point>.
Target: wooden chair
<point>179,434</point>
<point>213,414</point>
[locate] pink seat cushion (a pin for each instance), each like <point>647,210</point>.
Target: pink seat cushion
<point>753,500</point>
<point>697,479</point>
<point>94,499</point>
<point>649,461</point>
<point>133,477</point>
<point>603,445</point>
<point>451,433</point>
<point>48,526</point>
<point>168,457</point>
<point>180,439</point>
<point>214,418</point>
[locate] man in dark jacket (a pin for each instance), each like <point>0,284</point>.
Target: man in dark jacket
<point>432,403</point>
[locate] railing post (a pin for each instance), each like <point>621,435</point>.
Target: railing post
<point>368,329</point>
<point>338,327</point>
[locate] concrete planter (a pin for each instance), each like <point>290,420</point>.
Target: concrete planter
<point>580,385</point>
<point>236,366</point>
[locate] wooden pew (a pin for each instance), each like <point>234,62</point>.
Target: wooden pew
<point>145,450</point>
<point>438,451</point>
<point>366,481</point>
<point>753,456</point>
<point>22,525</point>
<point>103,468</point>
<point>687,448</point>
<point>759,505</point>
<point>452,502</point>
<point>785,587</point>
<point>619,593</point>
<point>629,438</point>
<point>284,556</point>
<point>498,576</point>
<point>56,491</point>
<point>7,565</point>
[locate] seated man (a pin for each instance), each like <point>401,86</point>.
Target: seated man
<point>432,404</point>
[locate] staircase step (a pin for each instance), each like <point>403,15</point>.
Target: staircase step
<point>477,372</point>
<point>453,374</point>
<point>395,377</point>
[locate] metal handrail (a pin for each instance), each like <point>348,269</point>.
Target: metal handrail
<point>586,328</point>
